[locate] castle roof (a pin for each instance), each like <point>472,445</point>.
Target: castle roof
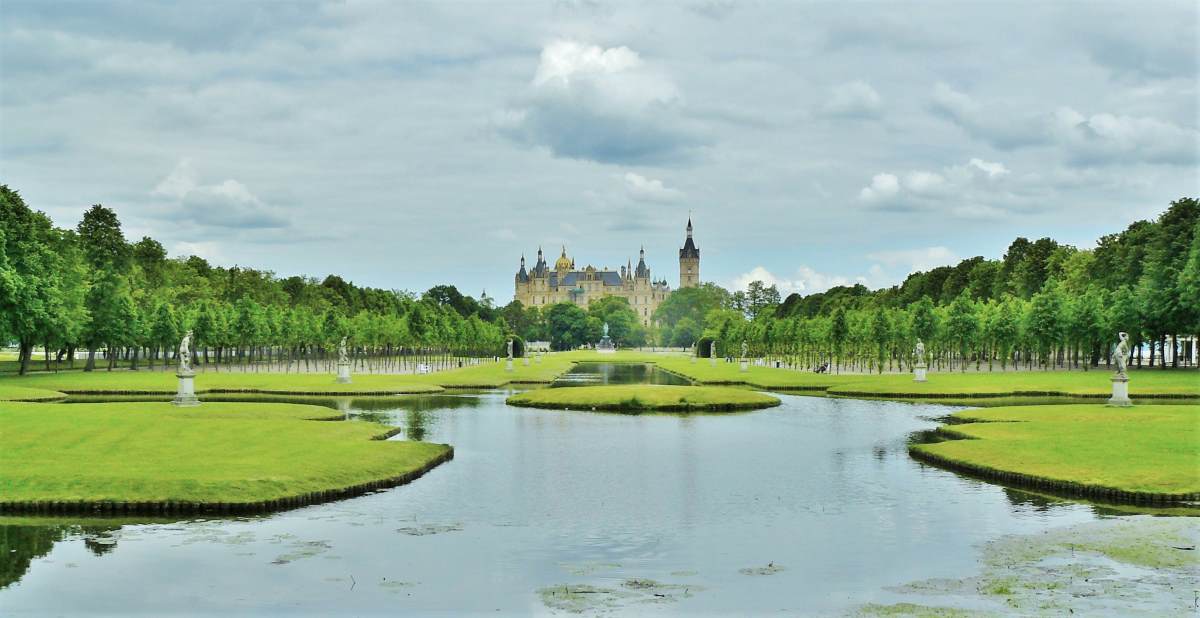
<point>689,249</point>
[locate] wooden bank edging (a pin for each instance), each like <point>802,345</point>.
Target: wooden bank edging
<point>173,507</point>
<point>1056,486</point>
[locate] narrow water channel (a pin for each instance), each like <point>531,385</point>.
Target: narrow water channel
<point>813,506</point>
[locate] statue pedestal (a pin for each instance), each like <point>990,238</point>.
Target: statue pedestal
<point>525,361</point>
<point>1120,397</point>
<point>343,376</point>
<point>508,364</point>
<point>186,396</point>
<point>745,366</point>
<point>712,360</point>
<point>919,373</point>
<point>693,360</point>
<point>538,358</point>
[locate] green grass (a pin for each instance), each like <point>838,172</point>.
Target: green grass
<point>645,398</point>
<point>1144,449</point>
<point>166,383</point>
<point>1147,382</point>
<point>13,392</point>
<point>485,375</point>
<point>217,452</point>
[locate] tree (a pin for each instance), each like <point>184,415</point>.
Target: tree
<point>569,326</point>
<point>624,326</point>
<point>962,325</point>
<point>761,298</point>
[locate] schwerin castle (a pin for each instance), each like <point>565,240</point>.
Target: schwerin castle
<point>543,286</point>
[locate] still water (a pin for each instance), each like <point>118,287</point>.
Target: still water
<point>595,374</point>
<point>812,506</point>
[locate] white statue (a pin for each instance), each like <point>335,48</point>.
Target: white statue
<point>509,345</point>
<point>343,356</point>
<point>1121,354</point>
<point>919,352</point>
<point>745,349</point>
<point>606,329</point>
<point>712,348</point>
<point>185,353</point>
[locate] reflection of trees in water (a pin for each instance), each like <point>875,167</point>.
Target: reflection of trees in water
<point>20,545</point>
<point>414,424</point>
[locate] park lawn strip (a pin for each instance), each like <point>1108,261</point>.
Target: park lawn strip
<point>645,398</point>
<point>215,453</point>
<point>12,392</point>
<point>165,383</point>
<point>1097,384</point>
<point>1149,452</point>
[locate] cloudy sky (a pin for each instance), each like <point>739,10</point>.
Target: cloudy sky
<point>403,145</point>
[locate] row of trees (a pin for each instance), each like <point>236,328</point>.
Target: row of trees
<point>1043,304</point>
<point>90,289</point>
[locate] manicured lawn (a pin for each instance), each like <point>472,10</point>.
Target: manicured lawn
<point>1034,383</point>
<point>488,374</point>
<point>1152,449</point>
<point>217,452</point>
<point>166,382</point>
<point>645,398</point>
<point>12,392</point>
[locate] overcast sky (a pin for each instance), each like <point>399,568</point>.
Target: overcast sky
<point>402,145</point>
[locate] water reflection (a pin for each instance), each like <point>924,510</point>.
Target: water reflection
<point>592,374</point>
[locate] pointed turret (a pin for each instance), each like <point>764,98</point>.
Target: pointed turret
<point>689,261</point>
<point>643,271</point>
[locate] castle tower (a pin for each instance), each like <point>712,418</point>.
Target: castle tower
<point>689,261</point>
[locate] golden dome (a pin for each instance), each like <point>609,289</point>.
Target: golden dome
<point>563,263</point>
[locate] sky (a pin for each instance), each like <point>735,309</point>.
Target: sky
<point>403,145</point>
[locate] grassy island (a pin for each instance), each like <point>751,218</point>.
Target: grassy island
<point>223,457</point>
<point>1144,453</point>
<point>645,398</point>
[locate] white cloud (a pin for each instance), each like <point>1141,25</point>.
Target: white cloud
<point>883,187</point>
<point>227,204</point>
<point>805,280</point>
<point>853,99</point>
<point>1099,139</point>
<point>915,259</point>
<point>563,59</point>
<point>1107,138</point>
<point>645,189</point>
<point>978,182</point>
<point>606,105</point>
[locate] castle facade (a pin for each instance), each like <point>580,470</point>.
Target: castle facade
<point>542,285</point>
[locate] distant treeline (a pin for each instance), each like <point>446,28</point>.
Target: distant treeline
<point>1043,304</point>
<point>88,288</point>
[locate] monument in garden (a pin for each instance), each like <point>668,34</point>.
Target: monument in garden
<point>745,361</point>
<point>508,360</point>
<point>919,364</point>
<point>343,366</point>
<point>606,346</point>
<point>1120,380</point>
<point>186,395</point>
<point>712,352</point>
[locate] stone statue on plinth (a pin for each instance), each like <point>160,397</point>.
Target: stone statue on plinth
<point>745,366</point>
<point>186,394</point>
<point>919,366</point>
<point>1120,380</point>
<point>712,352</point>
<point>508,360</point>
<point>343,365</point>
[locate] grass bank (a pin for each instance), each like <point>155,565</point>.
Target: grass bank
<point>220,457</point>
<point>645,398</point>
<point>152,382</point>
<point>1144,454</point>
<point>13,392</point>
<point>1147,383</point>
